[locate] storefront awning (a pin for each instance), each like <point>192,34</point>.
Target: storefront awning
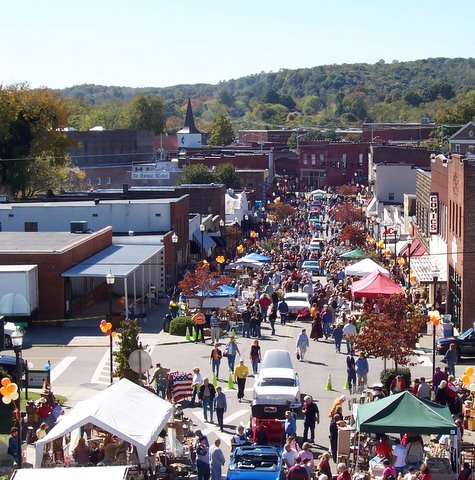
<point>423,268</point>
<point>120,260</point>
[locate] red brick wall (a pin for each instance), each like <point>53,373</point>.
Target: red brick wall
<point>52,264</point>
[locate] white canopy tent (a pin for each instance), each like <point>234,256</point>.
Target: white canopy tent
<point>364,268</point>
<point>124,409</point>
<point>89,473</point>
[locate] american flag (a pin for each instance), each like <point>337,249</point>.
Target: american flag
<point>180,385</point>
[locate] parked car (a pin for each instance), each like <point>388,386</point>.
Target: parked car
<point>297,301</point>
<point>8,363</point>
<point>465,344</point>
<point>311,265</point>
<point>8,329</point>
<point>277,383</point>
<point>249,462</point>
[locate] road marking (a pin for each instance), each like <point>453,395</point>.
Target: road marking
<point>98,373</point>
<point>61,367</point>
<point>424,357</point>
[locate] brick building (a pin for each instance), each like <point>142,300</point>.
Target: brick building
<point>463,141</point>
<point>397,132</point>
<point>323,164</point>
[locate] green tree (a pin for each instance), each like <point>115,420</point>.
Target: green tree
<point>225,97</point>
<point>227,175</point>
<point>128,341</point>
<point>413,98</point>
<point>33,128</point>
<point>197,174</point>
<point>312,105</point>
<point>146,113</point>
<point>222,132</point>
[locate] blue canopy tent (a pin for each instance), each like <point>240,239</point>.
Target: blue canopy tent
<point>257,257</point>
<point>217,299</point>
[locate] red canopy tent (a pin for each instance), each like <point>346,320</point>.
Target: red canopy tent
<point>374,285</point>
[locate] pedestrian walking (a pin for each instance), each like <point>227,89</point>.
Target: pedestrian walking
<point>196,384</point>
<point>264,304</point>
<point>338,337</point>
<point>311,418</point>
<point>297,471</point>
<point>351,371</point>
<point>255,356</point>
<point>334,436</point>
<point>283,309</point>
<point>326,321</point>
<point>202,459</point>
<point>217,460</point>
<point>362,370</point>
<point>215,360</point>
<point>302,344</point>
<point>220,406</point>
<point>246,322</point>
<point>349,332</point>
<point>231,351</point>
<point>206,395</point>
<point>214,323</point>
<point>240,374</point>
<point>451,357</point>
<point>199,321</point>
<point>272,319</point>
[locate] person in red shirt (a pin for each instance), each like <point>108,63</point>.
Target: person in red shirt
<point>382,448</point>
<point>343,473</point>
<point>389,472</point>
<point>43,410</point>
<point>398,385</point>
<point>425,473</point>
<point>264,303</point>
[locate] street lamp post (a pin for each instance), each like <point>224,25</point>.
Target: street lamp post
<point>175,260</point>
<point>378,223</point>
<point>17,343</point>
<point>246,218</point>
<point>110,279</point>
<point>435,277</point>
<point>202,230</point>
<point>223,233</point>
<point>408,289</point>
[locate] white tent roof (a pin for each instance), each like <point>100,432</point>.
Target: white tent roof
<point>89,473</point>
<point>124,409</point>
<point>365,267</point>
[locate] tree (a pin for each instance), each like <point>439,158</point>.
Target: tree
<point>225,97</point>
<point>227,175</point>
<point>222,132</point>
<point>281,211</point>
<point>391,334</point>
<point>347,213</point>
<point>201,283</point>
<point>32,127</point>
<point>128,341</point>
<point>413,98</point>
<point>146,113</point>
<point>197,174</point>
<point>354,235</point>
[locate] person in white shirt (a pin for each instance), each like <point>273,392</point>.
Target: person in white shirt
<point>288,456</point>
<point>399,452</point>
<point>349,331</point>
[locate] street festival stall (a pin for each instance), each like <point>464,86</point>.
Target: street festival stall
<point>375,285</point>
<point>355,254</point>
<point>124,409</point>
<point>220,298</point>
<point>365,267</point>
<point>404,413</point>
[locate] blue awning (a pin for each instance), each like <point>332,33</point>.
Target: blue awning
<point>223,291</point>
<point>258,257</point>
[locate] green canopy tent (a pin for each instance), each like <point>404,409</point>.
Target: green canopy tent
<point>402,413</point>
<point>405,413</point>
<point>354,254</point>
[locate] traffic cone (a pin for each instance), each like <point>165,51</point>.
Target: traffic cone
<point>230,382</point>
<point>193,335</point>
<point>233,333</point>
<point>187,336</point>
<point>214,382</point>
<point>328,386</point>
<point>346,387</point>
<point>199,336</point>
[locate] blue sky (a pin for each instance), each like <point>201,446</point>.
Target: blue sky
<point>160,43</point>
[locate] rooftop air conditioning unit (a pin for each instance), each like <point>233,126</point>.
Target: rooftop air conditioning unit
<point>79,227</point>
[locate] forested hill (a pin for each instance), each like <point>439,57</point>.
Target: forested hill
<point>380,81</point>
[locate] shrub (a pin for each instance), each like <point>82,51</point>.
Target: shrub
<point>387,376</point>
<point>178,325</point>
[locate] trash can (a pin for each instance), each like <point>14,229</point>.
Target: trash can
<point>448,329</point>
<point>166,322</point>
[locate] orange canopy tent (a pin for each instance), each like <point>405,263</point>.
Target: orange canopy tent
<point>375,285</point>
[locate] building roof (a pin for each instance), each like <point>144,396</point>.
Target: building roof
<point>41,242</point>
<point>120,260</point>
<point>464,133</point>
<point>189,126</point>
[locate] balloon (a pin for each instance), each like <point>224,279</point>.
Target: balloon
<point>5,381</point>
<point>3,391</point>
<point>6,400</point>
<point>12,388</point>
<point>465,379</point>
<point>103,328</point>
<point>103,322</point>
<point>108,326</point>
<point>14,396</point>
<point>469,371</point>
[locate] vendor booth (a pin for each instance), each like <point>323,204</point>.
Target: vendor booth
<point>125,409</point>
<point>364,268</point>
<point>355,254</point>
<point>221,298</point>
<point>404,413</point>
<point>375,285</point>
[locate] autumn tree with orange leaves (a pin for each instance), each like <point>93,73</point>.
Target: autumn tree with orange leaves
<point>356,236</point>
<point>348,212</point>
<point>201,283</point>
<point>392,334</point>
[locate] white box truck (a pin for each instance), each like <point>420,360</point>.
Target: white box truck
<point>18,290</point>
